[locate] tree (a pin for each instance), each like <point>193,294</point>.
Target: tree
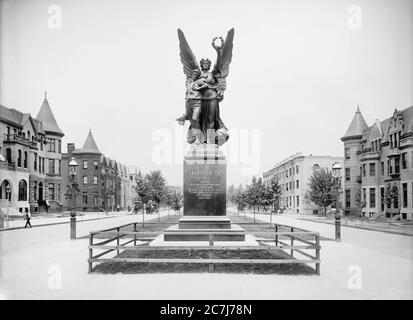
<point>360,202</point>
<point>142,188</point>
<point>231,194</point>
<point>157,186</point>
<point>391,195</point>
<point>273,195</point>
<point>323,189</point>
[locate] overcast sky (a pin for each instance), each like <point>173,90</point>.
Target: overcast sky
<point>299,70</point>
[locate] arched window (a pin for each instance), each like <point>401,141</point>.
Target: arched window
<point>316,166</point>
<point>19,159</point>
<point>25,159</point>
<point>3,190</point>
<point>22,190</point>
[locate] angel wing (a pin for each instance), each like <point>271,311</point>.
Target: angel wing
<point>187,57</point>
<point>221,67</point>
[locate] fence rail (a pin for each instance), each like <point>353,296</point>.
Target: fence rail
<point>296,245</point>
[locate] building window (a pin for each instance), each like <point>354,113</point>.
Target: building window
<point>25,159</point>
<point>364,195</point>
<point>84,198</point>
<point>396,200</point>
<point>298,201</point>
<point>51,166</point>
<point>297,184</point>
<point>51,191</point>
<point>35,162</point>
<point>372,170</point>
<point>52,145</point>
<point>60,166</point>
<point>22,196</point>
<point>59,146</point>
<point>404,187</point>
<point>348,200</point>
<point>404,161</point>
<point>95,180</point>
<point>347,174</point>
<point>296,169</point>
<point>347,153</point>
<point>382,199</point>
<point>397,165</point>
<point>85,164</point>
<point>372,197</point>
<point>382,168</point>
<point>95,163</point>
<point>19,159</point>
<point>96,200</point>
<point>364,170</point>
<point>8,155</point>
<point>84,179</point>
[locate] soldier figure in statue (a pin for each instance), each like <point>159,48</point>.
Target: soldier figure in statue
<point>205,90</point>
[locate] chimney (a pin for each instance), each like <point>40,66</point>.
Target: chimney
<point>70,148</point>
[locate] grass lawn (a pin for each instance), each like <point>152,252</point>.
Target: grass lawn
<point>258,229</point>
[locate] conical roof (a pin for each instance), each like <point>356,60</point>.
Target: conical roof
<point>357,125</point>
<point>90,145</point>
<point>48,120</point>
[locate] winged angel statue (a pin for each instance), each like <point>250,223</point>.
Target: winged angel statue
<point>205,90</point>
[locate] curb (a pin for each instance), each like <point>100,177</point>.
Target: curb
<point>364,228</point>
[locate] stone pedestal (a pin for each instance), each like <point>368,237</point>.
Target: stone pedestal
<point>204,199</point>
<point>204,181</point>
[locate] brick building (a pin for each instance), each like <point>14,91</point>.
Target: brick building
<point>377,158</point>
<point>293,174</point>
<point>103,182</point>
<point>31,161</point>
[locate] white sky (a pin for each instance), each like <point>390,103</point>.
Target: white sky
<point>297,75</point>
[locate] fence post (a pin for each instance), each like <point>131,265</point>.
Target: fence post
<point>317,254</point>
<point>292,242</point>
<point>211,244</point>
<point>117,239</point>
<point>90,251</point>
<point>134,236</point>
<point>276,234</point>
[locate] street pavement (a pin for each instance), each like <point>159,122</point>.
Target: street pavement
<point>42,263</point>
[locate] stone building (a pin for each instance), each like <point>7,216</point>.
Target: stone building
<point>379,158</point>
<point>31,166</point>
<point>293,174</point>
<point>104,184</point>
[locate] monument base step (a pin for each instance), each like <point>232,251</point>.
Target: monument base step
<point>205,222</point>
<point>174,233</point>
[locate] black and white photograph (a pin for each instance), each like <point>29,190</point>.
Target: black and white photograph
<point>221,152</point>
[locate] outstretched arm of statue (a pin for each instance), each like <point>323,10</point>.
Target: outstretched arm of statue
<point>218,49</point>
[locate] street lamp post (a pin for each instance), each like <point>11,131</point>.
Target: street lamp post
<point>8,204</point>
<point>336,175</point>
<point>73,186</point>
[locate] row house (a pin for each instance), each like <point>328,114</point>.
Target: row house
<point>104,184</point>
<point>30,161</point>
<point>293,175</point>
<point>379,159</point>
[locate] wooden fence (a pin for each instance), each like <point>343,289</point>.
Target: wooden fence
<point>298,241</point>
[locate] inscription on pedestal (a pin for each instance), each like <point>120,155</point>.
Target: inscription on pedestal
<point>204,188</point>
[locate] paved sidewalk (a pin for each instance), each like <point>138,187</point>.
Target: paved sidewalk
<point>31,260</point>
<point>45,220</point>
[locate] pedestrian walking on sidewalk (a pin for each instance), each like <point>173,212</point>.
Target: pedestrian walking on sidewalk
<point>27,218</point>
